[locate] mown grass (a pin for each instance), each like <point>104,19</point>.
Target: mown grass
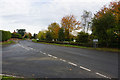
<point>75,46</point>
<point>7,42</point>
<point>14,78</point>
<point>34,40</point>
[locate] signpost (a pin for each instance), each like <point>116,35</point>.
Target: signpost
<point>95,42</point>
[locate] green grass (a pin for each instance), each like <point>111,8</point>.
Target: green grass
<point>7,42</point>
<point>34,40</point>
<point>109,49</point>
<point>14,78</point>
<point>83,47</point>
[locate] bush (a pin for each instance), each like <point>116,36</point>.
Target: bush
<point>16,35</point>
<point>5,35</point>
<point>61,34</point>
<point>68,43</point>
<point>82,37</point>
<point>48,36</point>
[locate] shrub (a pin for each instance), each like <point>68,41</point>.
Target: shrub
<point>5,35</point>
<point>82,37</point>
<point>16,35</point>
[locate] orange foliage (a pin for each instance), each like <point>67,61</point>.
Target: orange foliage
<point>114,8</point>
<point>70,23</point>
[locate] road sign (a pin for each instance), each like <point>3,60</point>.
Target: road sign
<point>95,40</point>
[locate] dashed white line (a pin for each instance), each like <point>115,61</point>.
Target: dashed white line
<point>54,57</point>
<point>44,53</point>
<point>72,63</point>
<point>61,60</point>
<point>64,60</point>
<point>49,55</point>
<point>102,75</point>
<point>85,68</point>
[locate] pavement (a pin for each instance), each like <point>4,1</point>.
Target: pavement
<point>34,60</point>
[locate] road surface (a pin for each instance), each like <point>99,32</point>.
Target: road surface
<point>34,60</point>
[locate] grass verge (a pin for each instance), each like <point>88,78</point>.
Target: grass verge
<point>7,42</point>
<point>34,40</point>
<point>13,78</point>
<point>75,46</point>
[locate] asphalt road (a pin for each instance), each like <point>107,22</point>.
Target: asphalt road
<point>34,60</point>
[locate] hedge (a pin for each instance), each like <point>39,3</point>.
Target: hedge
<point>69,43</point>
<point>5,35</point>
<point>16,35</point>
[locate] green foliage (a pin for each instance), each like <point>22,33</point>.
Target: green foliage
<point>34,40</point>
<point>21,31</point>
<point>0,35</point>
<point>41,35</point>
<point>48,36</point>
<point>61,34</point>
<point>16,35</point>
<point>82,37</point>
<point>26,36</point>
<point>67,35</point>
<point>104,28</point>
<point>54,28</point>
<point>34,36</point>
<point>5,35</point>
<point>7,42</point>
<point>29,35</point>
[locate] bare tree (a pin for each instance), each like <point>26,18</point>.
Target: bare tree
<point>86,21</point>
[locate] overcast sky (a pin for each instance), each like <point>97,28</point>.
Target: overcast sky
<point>36,15</point>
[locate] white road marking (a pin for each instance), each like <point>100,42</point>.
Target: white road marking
<point>72,63</point>
<point>49,55</point>
<point>24,47</point>
<point>102,75</point>
<point>54,57</point>
<point>61,59</point>
<point>44,53</point>
<point>28,48</point>
<point>64,60</point>
<point>85,68</point>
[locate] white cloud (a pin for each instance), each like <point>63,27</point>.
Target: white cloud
<point>13,7</point>
<point>35,15</point>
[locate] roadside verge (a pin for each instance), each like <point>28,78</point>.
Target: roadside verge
<point>75,46</point>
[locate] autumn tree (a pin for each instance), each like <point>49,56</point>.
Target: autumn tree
<point>30,35</point>
<point>69,23</point>
<point>106,25</point>
<point>54,28</point>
